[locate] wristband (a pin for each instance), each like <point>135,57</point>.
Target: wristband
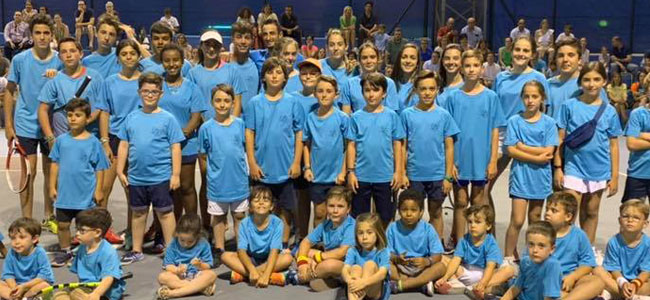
<point>49,138</point>
<point>449,179</point>
<point>303,258</point>
<point>621,281</point>
<point>318,257</point>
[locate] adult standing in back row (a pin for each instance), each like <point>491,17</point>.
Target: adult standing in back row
<point>474,33</point>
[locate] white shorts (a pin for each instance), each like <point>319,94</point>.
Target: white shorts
<point>471,275</point>
<point>583,186</point>
<point>502,149</point>
<point>222,208</point>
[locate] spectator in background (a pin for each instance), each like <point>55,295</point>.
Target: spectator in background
<point>463,42</point>
<point>604,57</point>
<point>539,64</point>
<point>520,30</point>
<point>381,38</point>
<point>544,40</point>
<point>432,64</point>
<point>447,31</point>
<point>28,12</point>
<point>170,20</point>
<point>245,15</point>
<point>585,52</point>
<point>322,53</point>
<point>16,35</point>
<point>266,14</point>
<point>348,24</point>
<point>181,40</point>
<point>617,94</point>
<point>368,25</point>
<point>43,11</point>
<point>84,23</point>
<point>490,70</point>
<point>143,39</point>
<point>425,50</point>
<point>567,34</point>
<point>473,32</point>
<point>4,70</point>
<point>394,45</point>
<point>505,54</point>
<point>289,25</point>
<point>483,48</point>
<point>442,44</point>
<point>60,31</point>
<point>110,10</point>
<point>621,58</point>
<point>309,50</point>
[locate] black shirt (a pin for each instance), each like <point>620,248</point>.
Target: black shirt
<point>288,21</point>
<point>368,22</point>
<point>87,15</point>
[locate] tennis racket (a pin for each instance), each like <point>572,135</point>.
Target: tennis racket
<point>48,292</point>
<point>17,167</point>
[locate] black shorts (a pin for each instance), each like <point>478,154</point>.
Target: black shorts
<point>636,188</point>
<point>114,142</point>
<point>383,196</point>
<point>189,159</point>
<point>301,183</point>
<point>283,194</point>
<point>431,189</point>
<point>65,215</point>
<point>158,195</point>
<point>475,183</point>
<point>30,145</point>
<point>318,192</point>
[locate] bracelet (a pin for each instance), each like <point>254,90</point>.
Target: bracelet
<point>449,179</point>
<point>104,140</point>
<point>302,258</point>
<point>637,282</point>
<point>621,281</point>
<point>318,257</point>
<point>305,168</point>
<point>49,138</point>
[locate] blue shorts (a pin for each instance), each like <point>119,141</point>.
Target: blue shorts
<point>283,194</point>
<point>158,195</point>
<point>189,159</point>
<point>318,192</point>
<point>476,183</point>
<point>30,145</point>
<point>526,199</point>
<point>257,261</point>
<point>431,189</point>
<point>636,188</point>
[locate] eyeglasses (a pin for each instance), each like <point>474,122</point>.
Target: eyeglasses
<point>150,92</point>
<point>83,230</point>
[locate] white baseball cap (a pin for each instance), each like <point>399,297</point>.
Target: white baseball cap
<point>212,34</point>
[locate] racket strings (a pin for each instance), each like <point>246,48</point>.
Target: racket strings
<point>16,171</point>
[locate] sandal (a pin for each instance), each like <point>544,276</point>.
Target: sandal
<point>162,293</point>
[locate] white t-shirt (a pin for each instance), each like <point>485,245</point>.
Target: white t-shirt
<point>585,57</point>
<point>563,36</point>
<point>474,36</point>
<point>428,65</point>
<point>544,39</point>
<point>172,22</point>
<point>490,72</point>
<point>515,33</point>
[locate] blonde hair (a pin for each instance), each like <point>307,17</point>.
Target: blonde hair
<point>375,223</point>
<point>637,204</point>
<point>329,79</point>
<point>334,31</point>
<point>471,53</point>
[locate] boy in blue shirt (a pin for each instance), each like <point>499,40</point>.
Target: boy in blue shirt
<point>62,88</point>
<point>565,86</point>
<point>274,122</point>
<point>78,161</point>
<point>96,260</point>
<point>626,267</point>
<point>374,159</point>
<point>637,184</point>
<point>26,269</point>
<point>161,35</point>
<point>31,70</point>
<point>415,248</point>
<point>150,138</point>
<point>242,66</point>
<point>104,60</point>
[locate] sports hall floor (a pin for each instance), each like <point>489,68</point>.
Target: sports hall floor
<point>143,285</point>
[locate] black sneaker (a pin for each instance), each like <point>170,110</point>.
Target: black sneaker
<point>62,259</point>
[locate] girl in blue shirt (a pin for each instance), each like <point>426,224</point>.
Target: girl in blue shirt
<point>593,167</point>
<point>367,265</point>
<point>186,266</point>
<point>405,69</point>
<point>450,72</point>
<point>637,184</point>
<point>336,63</point>
<point>287,49</point>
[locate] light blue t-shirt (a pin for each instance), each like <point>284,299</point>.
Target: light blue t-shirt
<point>26,268</point>
<point>62,88</point>
<point>352,94</point>
<point>421,241</point>
<point>539,281</point>
<point>150,137</point>
<point>275,124</point>
<point>206,80</point>
<point>327,137</point>
<point>480,255</point>
<point>476,116</point>
<point>380,257</point>
<point>406,96</point>
<point>182,102</point>
<point>592,160</point>
<point>249,77</point>
<point>176,255</point>
<point>639,161</point>
<point>426,132</point>
<point>629,261</point>
<point>28,72</point>
<point>307,103</point>
<point>259,243</point>
<point>441,100</point>
<point>530,180</point>
<point>293,85</point>
<point>93,267</point>
<point>227,165</point>
<point>332,238</point>
<point>106,65</point>
<point>340,74</point>
<point>508,87</point>
<point>574,250</point>
<point>79,161</point>
<point>149,65</point>
<point>121,97</point>
<point>558,93</point>
<point>373,134</point>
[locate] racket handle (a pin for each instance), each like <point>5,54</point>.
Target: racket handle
<point>83,87</point>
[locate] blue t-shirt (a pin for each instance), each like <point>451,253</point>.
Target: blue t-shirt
<point>639,161</point>
<point>380,257</point>
<point>258,57</point>
<point>249,77</point>
<point>441,100</point>
<point>275,124</point>
<point>629,261</point>
<point>293,85</point>
<point>206,80</point>
<point>340,74</point>
<point>93,267</point>
<point>476,116</point>
<point>176,255</point>
<point>79,161</point>
<point>352,94</point>
<point>480,255</point>
<point>26,268</point>
<point>62,88</point>
<point>508,87</point>
<point>592,160</point>
<point>27,72</point>
<point>331,237</point>
<point>149,65</point>
<point>150,137</point>
<point>530,180</point>
<point>539,281</point>
<point>307,103</point>
<point>182,102</point>
<point>327,137</point>
<point>121,97</point>
<point>558,93</point>
<point>426,132</point>
<point>406,96</point>
<point>421,241</point>
<point>373,134</point>
<point>260,243</point>
<point>574,250</point>
<point>106,65</point>
<point>227,164</point>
